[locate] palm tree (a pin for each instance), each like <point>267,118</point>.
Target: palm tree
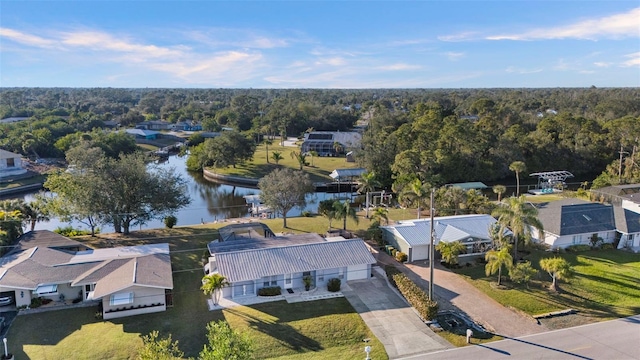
<point>313,154</point>
<point>450,250</point>
<point>517,167</point>
<point>343,210</point>
<point>558,268</point>
<point>416,193</point>
<point>212,284</point>
<point>379,214</point>
<point>499,189</point>
<point>277,156</point>
<point>366,184</point>
<point>267,142</point>
<point>326,208</point>
<point>497,235</point>
<point>519,217</point>
<point>496,260</point>
<point>36,211</point>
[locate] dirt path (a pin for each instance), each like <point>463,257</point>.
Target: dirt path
<point>452,292</point>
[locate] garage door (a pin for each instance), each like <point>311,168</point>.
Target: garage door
<point>419,253</point>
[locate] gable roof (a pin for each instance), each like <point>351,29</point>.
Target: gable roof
<point>4,154</point>
<point>256,241</point>
<point>575,216</point>
<point>46,238</point>
<point>258,263</point>
<point>627,221</point>
<point>446,228</point>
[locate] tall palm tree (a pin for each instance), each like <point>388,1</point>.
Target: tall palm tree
<point>518,167</point>
<point>496,259</point>
<point>450,251</point>
<point>379,214</point>
<point>267,142</point>
<point>499,189</point>
<point>212,284</point>
<point>36,211</point>
<point>313,154</point>
<point>343,210</point>
<point>366,184</point>
<point>520,217</point>
<point>416,193</point>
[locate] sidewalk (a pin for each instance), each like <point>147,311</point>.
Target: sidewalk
<point>453,292</point>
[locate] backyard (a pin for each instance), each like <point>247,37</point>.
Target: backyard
<point>324,329</point>
<point>605,285</point>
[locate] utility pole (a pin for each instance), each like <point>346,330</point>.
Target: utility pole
<point>431,249</point>
<point>620,167</point>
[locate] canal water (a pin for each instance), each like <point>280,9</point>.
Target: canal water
<point>209,202</point>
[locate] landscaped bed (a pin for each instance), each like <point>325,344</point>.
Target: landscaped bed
<point>605,286</point>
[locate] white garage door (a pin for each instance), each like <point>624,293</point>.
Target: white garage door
<point>419,253</point>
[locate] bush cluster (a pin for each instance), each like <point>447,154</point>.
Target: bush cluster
<point>578,248</point>
<point>71,232</point>
<point>170,221</point>
<point>333,285</point>
<point>607,246</point>
<point>270,291</point>
<point>401,257</point>
<point>416,297</point>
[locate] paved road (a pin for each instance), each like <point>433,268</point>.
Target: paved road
<point>617,339</point>
<point>451,289</point>
<point>391,320</point>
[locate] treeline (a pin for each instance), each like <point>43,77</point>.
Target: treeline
<point>435,135</point>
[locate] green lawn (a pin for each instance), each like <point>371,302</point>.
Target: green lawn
<point>21,182</point>
<point>606,285</point>
<point>324,329</point>
<point>319,167</point>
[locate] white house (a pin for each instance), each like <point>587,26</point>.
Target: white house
<point>323,142</point>
<point>573,221</point>
<point>10,164</point>
<point>412,236</point>
<point>250,261</point>
<point>128,280</point>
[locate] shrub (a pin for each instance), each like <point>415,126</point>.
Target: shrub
<point>36,302</point>
<point>394,252</point>
<point>401,257</point>
<point>333,285</point>
<point>270,291</point>
<point>607,246</point>
<point>416,297</point>
<point>522,273</point>
<point>69,231</point>
<point>578,248</point>
<point>306,213</point>
<point>595,240</point>
<point>170,221</point>
<point>390,271</point>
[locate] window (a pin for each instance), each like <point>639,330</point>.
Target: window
<point>11,162</point>
<point>46,290</point>
<point>320,274</point>
<point>577,239</point>
<point>270,281</point>
<point>121,299</point>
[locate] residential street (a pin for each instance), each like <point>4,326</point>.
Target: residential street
<point>616,339</point>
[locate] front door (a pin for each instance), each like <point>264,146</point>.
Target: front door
<point>288,283</point>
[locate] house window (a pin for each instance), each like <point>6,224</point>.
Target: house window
<point>320,275</point>
<point>44,290</point>
<point>577,239</point>
<point>270,280</point>
<point>121,299</point>
<point>11,162</point>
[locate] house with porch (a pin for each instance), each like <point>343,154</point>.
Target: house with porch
<point>251,260</point>
<point>573,222</point>
<point>10,164</point>
<point>126,280</point>
<point>412,236</point>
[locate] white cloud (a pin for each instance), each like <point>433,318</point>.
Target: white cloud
<point>218,37</point>
<point>634,60</point>
<point>602,64</point>
<point>333,61</point>
<point>464,36</point>
<point>398,67</point>
<point>100,41</point>
<point>26,39</point>
<point>614,26</point>
<point>454,56</point>
<point>516,70</point>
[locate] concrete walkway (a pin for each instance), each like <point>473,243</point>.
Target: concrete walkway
<point>391,320</point>
<point>453,292</point>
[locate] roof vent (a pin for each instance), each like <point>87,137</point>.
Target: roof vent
<point>586,217</point>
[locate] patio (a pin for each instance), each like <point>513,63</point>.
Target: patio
<point>299,295</point>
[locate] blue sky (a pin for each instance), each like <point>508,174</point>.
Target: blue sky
<point>331,44</point>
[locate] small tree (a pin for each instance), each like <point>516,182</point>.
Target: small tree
<point>313,154</point>
<point>450,251</point>
<point>212,284</point>
<point>343,210</point>
<point>522,273</point>
<point>300,157</point>
<point>225,343</point>
<point>558,268</point>
<point>154,348</point>
<point>496,260</point>
<point>326,209</point>
<point>379,214</point>
<point>170,221</point>
<point>277,156</point>
<point>499,189</point>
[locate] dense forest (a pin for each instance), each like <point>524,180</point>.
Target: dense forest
<point>436,135</point>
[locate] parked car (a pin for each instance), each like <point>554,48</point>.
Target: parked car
<point>6,300</point>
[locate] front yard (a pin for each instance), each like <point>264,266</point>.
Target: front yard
<point>606,285</point>
<point>323,329</point>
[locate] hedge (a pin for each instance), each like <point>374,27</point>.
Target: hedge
<point>401,257</point>
<point>578,248</point>
<point>416,296</point>
<point>333,285</point>
<point>270,291</point>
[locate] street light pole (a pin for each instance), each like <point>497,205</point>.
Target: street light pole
<point>431,248</point>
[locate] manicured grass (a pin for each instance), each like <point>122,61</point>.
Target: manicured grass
<point>605,285</point>
<point>147,147</point>
<point>21,182</point>
<point>323,329</point>
<point>319,167</point>
<point>536,199</point>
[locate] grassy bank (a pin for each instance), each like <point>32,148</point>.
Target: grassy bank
<point>605,286</point>
<point>319,167</point>
<point>38,179</point>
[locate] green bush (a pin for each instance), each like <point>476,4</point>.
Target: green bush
<point>170,221</point>
<point>578,248</point>
<point>36,303</point>
<point>390,271</point>
<point>416,297</point>
<point>607,246</point>
<point>333,285</point>
<point>270,291</point>
<point>401,257</point>
<point>70,231</point>
<point>306,213</point>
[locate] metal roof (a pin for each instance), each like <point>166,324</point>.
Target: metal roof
<point>256,241</point>
<point>469,185</point>
<point>347,173</point>
<point>258,263</point>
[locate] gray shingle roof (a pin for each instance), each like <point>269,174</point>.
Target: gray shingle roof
<point>255,264</point>
<point>46,238</point>
<point>627,221</point>
<point>574,216</point>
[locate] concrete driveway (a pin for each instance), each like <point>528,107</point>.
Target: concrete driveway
<point>392,321</point>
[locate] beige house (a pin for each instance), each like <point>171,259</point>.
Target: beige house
<point>10,164</point>
<point>127,280</point>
